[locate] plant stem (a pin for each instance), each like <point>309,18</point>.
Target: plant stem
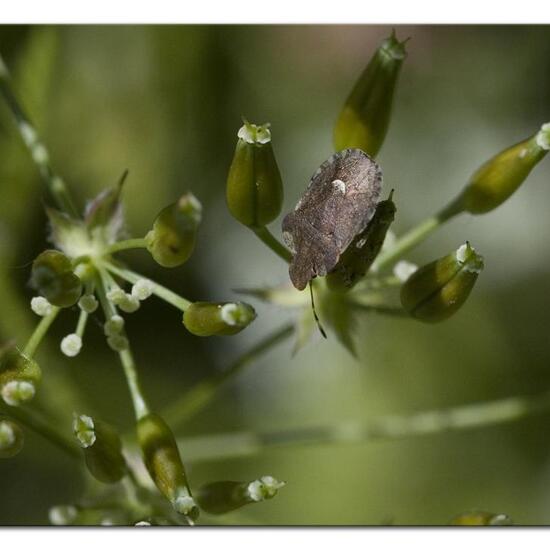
<point>272,242</point>
<point>127,360</point>
<point>384,428</point>
<point>37,424</point>
<point>37,149</point>
<point>202,393</point>
<point>81,326</point>
<point>162,292</point>
<point>126,245</point>
<point>417,234</point>
<point>39,332</point>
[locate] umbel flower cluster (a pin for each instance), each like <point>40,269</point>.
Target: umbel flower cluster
<point>81,274</point>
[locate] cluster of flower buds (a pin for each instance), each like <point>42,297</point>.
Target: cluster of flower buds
<point>102,448</point>
<point>19,376</point>
<point>11,438</point>
<point>437,290</point>
<point>254,190</point>
<point>364,119</point>
<point>225,496</point>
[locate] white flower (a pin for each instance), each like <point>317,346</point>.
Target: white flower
<point>142,289</point>
<point>41,306</point>
<point>71,345</point>
<point>7,435</point>
<point>184,504</point>
<point>84,429</point>
<point>62,515</point>
<point>265,487</point>
<point>403,270</point>
<point>17,391</point>
<point>88,303</point>
<point>543,137</point>
<point>113,326</point>
<point>116,295</point>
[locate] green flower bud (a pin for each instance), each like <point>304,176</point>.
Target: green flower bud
<point>224,496</point>
<point>163,462</point>
<point>218,319</point>
<point>481,518</point>
<point>362,251</point>
<point>172,239</point>
<point>254,189</point>
<point>437,290</point>
<point>365,118</point>
<point>102,448</point>
<point>53,277</point>
<point>19,376</point>
<point>11,438</point>
<point>502,175</point>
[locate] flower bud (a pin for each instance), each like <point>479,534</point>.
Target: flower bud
<point>481,518</point>
<point>364,120</point>
<point>163,462</point>
<point>224,496</point>
<point>11,438</point>
<point>19,376</point>
<point>437,290</point>
<point>362,251</point>
<point>53,277</point>
<point>172,239</point>
<point>102,448</point>
<point>218,319</point>
<point>254,189</point>
<point>502,175</point>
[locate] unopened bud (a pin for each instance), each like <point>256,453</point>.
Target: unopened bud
<point>114,325</point>
<point>71,345</point>
<point>172,239</point>
<point>142,289</point>
<point>53,277</point>
<point>102,448</point>
<point>218,319</point>
<point>437,290</point>
<point>502,175</point>
<point>19,376</point>
<point>11,438</point>
<point>41,306</point>
<point>88,303</point>
<point>63,515</point>
<point>163,462</point>
<point>365,118</point>
<point>254,190</point>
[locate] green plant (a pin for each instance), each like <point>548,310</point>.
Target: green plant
<point>83,272</point>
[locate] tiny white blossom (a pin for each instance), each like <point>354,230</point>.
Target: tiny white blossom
<point>84,430</point>
<point>116,295</point>
<point>229,314</point>
<point>265,487</point>
<point>184,504</point>
<point>461,253</point>
<point>7,435</point>
<point>71,345</point>
<point>142,289</point>
<point>113,326</point>
<point>543,137</point>
<point>62,515</point>
<point>16,392</point>
<point>403,270</point>
<point>129,304</point>
<point>254,134</point>
<point>41,306</point>
<point>88,303</point>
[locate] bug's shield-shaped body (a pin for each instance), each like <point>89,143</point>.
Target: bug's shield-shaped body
<point>338,204</point>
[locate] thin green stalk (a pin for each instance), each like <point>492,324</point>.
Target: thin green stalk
<point>200,395</point>
<point>39,332</point>
<point>272,242</point>
<point>37,149</point>
<point>162,292</point>
<point>39,425</point>
<point>81,325</point>
<point>126,245</point>
<point>384,428</point>
<point>417,234</point>
<point>127,360</point>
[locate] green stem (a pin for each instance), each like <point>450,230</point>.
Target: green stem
<point>271,241</point>
<point>201,394</point>
<point>127,360</point>
<point>384,428</point>
<point>126,245</point>
<point>162,292</point>
<point>37,424</point>
<point>81,326</point>
<point>39,332</point>
<point>417,234</point>
<point>37,149</point>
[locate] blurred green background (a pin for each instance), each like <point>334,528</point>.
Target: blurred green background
<point>166,102</point>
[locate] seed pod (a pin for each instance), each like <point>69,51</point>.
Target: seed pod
<point>481,518</point>
<point>502,175</point>
<point>437,290</point>
<point>254,190</point>
<point>364,120</point>
<point>172,239</point>
<point>163,462</point>
<point>218,319</point>
<point>102,448</point>
<point>11,438</point>
<point>362,251</point>
<point>53,277</point>
<point>19,376</point>
<point>224,496</point>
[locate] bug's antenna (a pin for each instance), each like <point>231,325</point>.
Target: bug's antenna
<point>321,329</point>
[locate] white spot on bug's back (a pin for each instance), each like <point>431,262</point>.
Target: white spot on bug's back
<point>339,185</point>
<point>360,243</point>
